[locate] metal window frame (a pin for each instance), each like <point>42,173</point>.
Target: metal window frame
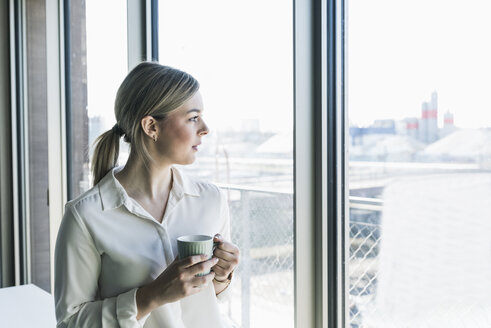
<point>58,158</point>
<point>15,238</point>
<point>20,153</point>
<point>337,193</point>
<point>7,272</point>
<point>309,288</point>
<point>154,26</point>
<point>320,204</point>
<point>320,180</point>
<point>142,32</point>
<point>16,267</point>
<point>320,129</point>
<point>67,48</point>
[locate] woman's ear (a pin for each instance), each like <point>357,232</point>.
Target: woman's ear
<point>149,126</point>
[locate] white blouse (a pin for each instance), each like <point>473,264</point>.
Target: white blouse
<point>108,246</point>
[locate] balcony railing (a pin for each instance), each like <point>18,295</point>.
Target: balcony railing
<point>262,227</point>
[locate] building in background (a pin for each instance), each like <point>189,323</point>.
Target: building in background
<point>404,140</point>
<point>448,125</point>
<point>383,127</point>
<point>429,120</point>
<point>412,127</point>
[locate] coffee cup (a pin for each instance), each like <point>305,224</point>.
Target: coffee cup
<point>196,245</point>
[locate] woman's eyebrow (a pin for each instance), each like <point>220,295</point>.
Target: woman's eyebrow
<point>194,110</point>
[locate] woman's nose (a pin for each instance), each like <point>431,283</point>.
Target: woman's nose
<point>204,130</point>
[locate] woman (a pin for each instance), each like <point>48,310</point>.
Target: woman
<point>116,254</point>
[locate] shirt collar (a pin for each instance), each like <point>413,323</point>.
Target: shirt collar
<point>113,195</point>
<point>182,184</point>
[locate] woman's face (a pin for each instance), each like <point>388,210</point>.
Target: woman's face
<point>181,131</point>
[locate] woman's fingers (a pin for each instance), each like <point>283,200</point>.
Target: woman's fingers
<point>224,255</point>
<point>202,281</point>
<point>228,255</point>
<point>202,266</point>
<point>222,270</point>
<point>192,260</point>
<point>228,247</point>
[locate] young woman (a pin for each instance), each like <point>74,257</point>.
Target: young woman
<point>116,259</point>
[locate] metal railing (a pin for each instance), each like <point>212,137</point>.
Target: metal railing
<point>262,227</point>
<point>364,245</point>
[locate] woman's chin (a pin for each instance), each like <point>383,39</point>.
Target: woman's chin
<point>188,161</point>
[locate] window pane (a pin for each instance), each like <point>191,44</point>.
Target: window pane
<point>419,163</point>
<point>243,62</point>
<point>98,66</point>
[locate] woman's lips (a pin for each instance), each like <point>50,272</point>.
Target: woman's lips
<point>195,147</point>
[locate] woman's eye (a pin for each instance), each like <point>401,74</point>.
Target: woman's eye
<point>194,118</point>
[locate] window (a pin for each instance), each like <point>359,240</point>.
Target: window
<point>77,49</point>
<point>98,66</point>
<point>244,65</point>
<point>419,164</point>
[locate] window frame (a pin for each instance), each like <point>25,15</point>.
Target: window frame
<point>7,272</point>
<point>320,175</point>
<point>320,204</point>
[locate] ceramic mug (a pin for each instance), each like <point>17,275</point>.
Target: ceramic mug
<point>196,245</point>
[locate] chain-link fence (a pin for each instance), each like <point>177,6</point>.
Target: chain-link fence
<point>262,227</point>
<point>364,232</point>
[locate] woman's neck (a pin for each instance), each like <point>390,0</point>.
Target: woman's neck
<point>150,182</point>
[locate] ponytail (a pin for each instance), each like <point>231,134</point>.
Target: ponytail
<point>106,153</point>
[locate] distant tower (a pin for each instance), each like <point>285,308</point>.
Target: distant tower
<point>412,127</point>
<point>423,123</point>
<point>429,116</point>
<point>448,124</point>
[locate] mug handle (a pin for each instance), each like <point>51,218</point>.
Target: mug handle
<point>215,245</point>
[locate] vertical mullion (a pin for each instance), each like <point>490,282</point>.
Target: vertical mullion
<point>322,165</point>
<point>331,232</point>
<point>7,101</point>
<point>57,149</point>
<point>16,102</point>
<point>139,40</point>
<point>19,147</point>
<point>143,43</point>
<point>309,164</point>
<point>343,199</point>
<point>68,97</point>
<point>335,165</point>
<point>155,29</point>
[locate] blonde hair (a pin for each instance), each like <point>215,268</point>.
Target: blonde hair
<point>150,89</point>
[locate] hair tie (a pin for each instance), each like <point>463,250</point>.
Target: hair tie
<point>117,130</point>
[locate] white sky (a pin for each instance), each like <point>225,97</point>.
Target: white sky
<point>107,60</point>
<point>401,51</point>
<point>398,52</point>
<point>240,51</point>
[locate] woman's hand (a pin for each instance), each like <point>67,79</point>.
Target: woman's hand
<point>176,282</point>
<point>228,256</point>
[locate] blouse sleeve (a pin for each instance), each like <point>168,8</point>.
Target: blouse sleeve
<point>77,268</point>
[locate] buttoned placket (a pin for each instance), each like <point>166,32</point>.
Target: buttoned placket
<point>175,196</point>
<point>162,228</point>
